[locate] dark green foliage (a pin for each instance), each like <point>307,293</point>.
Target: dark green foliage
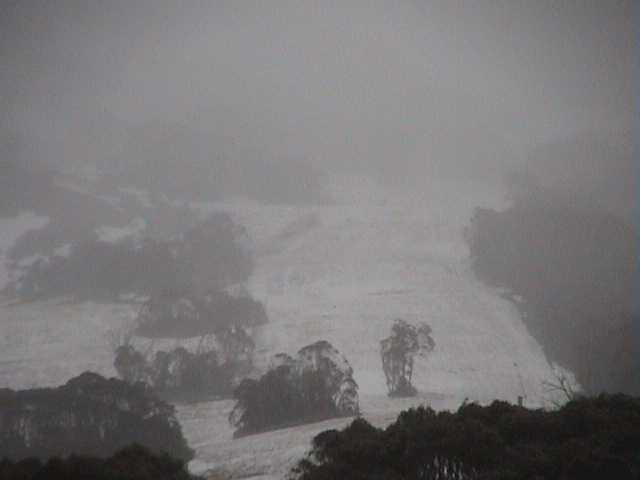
<point>574,268</point>
<point>131,463</point>
<point>316,386</point>
<point>589,438</point>
<point>89,415</point>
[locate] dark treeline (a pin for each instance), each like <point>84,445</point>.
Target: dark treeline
<point>223,325</point>
<point>89,415</point>
<point>574,269</point>
<point>207,257</point>
<point>587,439</point>
<point>178,374</point>
<point>568,247</point>
<point>171,315</point>
<point>73,214</point>
<point>77,208</point>
<point>131,463</point>
<point>225,348</point>
<point>98,270</point>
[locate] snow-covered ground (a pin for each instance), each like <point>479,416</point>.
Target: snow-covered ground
<point>10,230</point>
<point>340,272</point>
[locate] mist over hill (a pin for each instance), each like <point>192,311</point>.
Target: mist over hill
<point>191,190</point>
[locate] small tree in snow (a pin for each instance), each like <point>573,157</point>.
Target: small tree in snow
<point>398,351</point>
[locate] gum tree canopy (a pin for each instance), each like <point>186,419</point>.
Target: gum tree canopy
<point>315,385</point>
<point>398,351</point>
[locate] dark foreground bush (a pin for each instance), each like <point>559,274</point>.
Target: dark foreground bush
<point>89,415</point>
<point>588,439</point>
<point>316,385</point>
<point>131,463</point>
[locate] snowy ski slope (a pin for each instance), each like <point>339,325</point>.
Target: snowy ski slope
<point>341,272</point>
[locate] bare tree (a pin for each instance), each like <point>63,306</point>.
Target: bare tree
<point>562,390</point>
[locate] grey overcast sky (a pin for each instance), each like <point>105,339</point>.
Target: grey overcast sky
<point>392,84</point>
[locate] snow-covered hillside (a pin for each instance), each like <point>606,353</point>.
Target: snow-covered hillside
<point>379,255</point>
<point>341,272</point>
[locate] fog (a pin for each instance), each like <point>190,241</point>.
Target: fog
<point>282,215</point>
<point>396,88</point>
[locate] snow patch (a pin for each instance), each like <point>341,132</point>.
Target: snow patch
<point>11,229</point>
<point>116,234</point>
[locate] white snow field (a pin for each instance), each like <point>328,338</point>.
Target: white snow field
<point>341,272</point>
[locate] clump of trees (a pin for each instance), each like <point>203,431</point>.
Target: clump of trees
<point>211,371</point>
<point>398,352</point>
<point>316,385</point>
<point>134,462</point>
<point>574,268</point>
<point>176,374</point>
<point>208,257</point>
<point>588,438</point>
<point>567,250</point>
<point>98,270</point>
<point>214,254</point>
<point>175,315</point>
<point>222,325</point>
<point>89,415</point>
